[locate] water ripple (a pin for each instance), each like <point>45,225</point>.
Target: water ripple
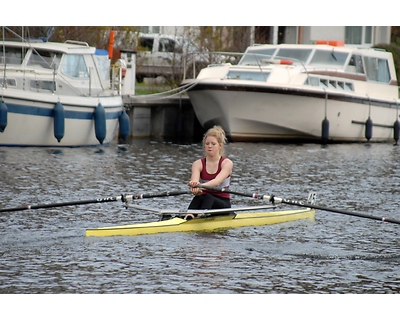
<point>46,251</point>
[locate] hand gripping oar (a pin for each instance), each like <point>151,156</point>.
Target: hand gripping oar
<point>122,198</point>
<point>274,200</point>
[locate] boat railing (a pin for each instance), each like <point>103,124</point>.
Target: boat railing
<point>116,78</point>
<point>33,72</point>
<point>76,42</point>
<point>264,59</point>
<point>195,61</point>
<point>259,60</point>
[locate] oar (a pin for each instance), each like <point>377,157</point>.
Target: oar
<point>274,199</point>
<point>122,198</point>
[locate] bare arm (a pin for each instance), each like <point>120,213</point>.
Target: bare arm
<point>196,171</point>
<point>195,178</point>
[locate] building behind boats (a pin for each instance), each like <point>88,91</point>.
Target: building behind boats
<point>365,36</point>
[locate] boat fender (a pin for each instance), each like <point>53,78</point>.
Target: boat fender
<point>59,121</point>
<point>100,123</point>
<point>325,130</point>
<point>396,130</point>
<point>124,126</point>
<point>368,128</point>
<point>3,116</point>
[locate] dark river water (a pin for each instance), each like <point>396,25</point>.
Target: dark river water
<point>46,251</point>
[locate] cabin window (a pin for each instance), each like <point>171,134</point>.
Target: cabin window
<point>296,54</point>
<point>348,86</point>
<point>252,56</point>
<point>8,82</point>
<point>331,84</point>
<point>253,76</point>
<point>42,85</point>
<point>329,58</point>
<point>355,64</point>
<point>45,59</point>
<point>312,81</point>
<point>323,83</point>
<point>74,66</point>
<point>11,55</point>
<point>377,69</point>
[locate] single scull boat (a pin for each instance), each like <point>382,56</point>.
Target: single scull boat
<point>207,220</point>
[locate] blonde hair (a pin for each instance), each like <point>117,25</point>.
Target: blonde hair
<point>218,133</point>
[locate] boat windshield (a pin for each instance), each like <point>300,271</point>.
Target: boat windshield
<point>318,57</point>
<point>294,53</point>
<point>254,55</point>
<point>12,55</point>
<point>44,58</point>
<point>329,58</point>
<point>74,66</point>
<point>377,69</point>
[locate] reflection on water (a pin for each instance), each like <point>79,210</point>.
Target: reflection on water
<point>46,251</point>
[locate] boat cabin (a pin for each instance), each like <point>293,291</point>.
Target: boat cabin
<point>47,69</point>
<point>359,64</point>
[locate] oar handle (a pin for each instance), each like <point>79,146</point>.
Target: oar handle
<point>227,190</point>
<point>130,197</point>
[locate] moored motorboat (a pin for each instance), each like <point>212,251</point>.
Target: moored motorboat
<point>289,92</point>
<point>208,221</point>
<point>58,94</point>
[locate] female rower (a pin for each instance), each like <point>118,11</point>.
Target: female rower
<point>213,170</point>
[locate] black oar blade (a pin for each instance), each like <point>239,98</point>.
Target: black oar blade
<point>61,204</point>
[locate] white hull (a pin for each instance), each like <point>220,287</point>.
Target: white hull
<point>263,116</point>
<point>31,123</point>
<point>269,98</point>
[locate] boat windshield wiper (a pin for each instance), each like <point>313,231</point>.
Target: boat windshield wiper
<point>333,54</point>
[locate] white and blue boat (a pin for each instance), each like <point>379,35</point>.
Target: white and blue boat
<point>58,94</point>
